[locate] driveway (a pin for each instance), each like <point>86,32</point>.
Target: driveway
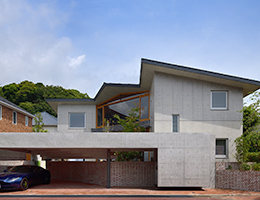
<point>66,189</point>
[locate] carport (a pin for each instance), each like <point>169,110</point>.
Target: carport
<point>60,163</point>
<point>183,159</point>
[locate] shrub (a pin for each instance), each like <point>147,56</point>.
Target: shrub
<point>229,167</point>
<point>256,166</point>
<point>245,167</point>
<point>253,157</point>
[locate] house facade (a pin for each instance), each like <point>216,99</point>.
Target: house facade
<point>191,119</point>
<point>171,98</point>
<point>13,118</point>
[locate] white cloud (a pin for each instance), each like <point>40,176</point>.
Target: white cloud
<point>74,62</point>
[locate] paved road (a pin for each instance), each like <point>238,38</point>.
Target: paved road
<point>135,198</point>
<point>109,198</point>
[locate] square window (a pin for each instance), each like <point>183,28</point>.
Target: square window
<point>14,117</point>
<point>219,100</point>
<point>175,123</point>
<point>77,120</point>
<point>221,148</point>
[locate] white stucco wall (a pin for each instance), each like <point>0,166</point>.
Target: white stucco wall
<point>190,99</point>
<point>63,117</point>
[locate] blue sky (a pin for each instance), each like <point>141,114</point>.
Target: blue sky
<point>80,44</point>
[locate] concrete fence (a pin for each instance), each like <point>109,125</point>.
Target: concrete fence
<point>123,174</point>
<point>236,179</point>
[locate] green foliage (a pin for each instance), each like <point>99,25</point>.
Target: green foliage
<point>251,118</point>
<point>245,167</point>
<point>250,140</point>
<point>242,147</point>
<point>128,156</point>
<point>229,167</point>
<point>131,123</point>
<point>32,97</point>
<point>256,166</point>
<point>253,157</point>
<point>38,127</point>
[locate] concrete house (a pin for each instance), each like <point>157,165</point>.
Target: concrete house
<point>190,115</point>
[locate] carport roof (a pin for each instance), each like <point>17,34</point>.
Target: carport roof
<point>148,68</point>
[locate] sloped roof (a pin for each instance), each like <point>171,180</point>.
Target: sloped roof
<point>148,68</point>
<point>48,119</point>
<point>14,107</point>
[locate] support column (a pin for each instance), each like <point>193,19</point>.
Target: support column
<point>108,168</point>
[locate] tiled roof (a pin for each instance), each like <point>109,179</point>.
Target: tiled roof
<point>13,106</point>
<point>48,119</point>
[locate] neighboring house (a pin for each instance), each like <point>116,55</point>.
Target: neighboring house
<point>13,118</point>
<point>49,121</point>
<point>191,117</point>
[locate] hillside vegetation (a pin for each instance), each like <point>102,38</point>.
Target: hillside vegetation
<point>32,97</point>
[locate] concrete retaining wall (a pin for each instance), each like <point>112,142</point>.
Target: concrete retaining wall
<point>4,164</point>
<point>127,174</point>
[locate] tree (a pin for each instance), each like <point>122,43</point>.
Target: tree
<point>32,97</point>
<point>248,145</point>
<point>131,123</point>
<point>38,127</point>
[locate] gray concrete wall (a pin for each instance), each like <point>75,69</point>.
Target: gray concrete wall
<point>190,99</point>
<point>63,117</point>
<point>184,159</point>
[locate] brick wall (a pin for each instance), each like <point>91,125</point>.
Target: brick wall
<point>123,174</point>
<point>236,179</point>
<point>6,123</point>
<point>130,174</point>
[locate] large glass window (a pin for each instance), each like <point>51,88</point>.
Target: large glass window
<point>77,120</point>
<point>100,116</point>
<point>218,100</point>
<point>221,148</point>
<point>122,107</point>
<point>144,107</point>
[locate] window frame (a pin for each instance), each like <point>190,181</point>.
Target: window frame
<point>211,100</point>
<point>178,123</point>
<point>115,100</point>
<point>14,117</point>
<point>26,121</point>
<point>77,127</point>
<point>1,112</point>
<point>226,149</point>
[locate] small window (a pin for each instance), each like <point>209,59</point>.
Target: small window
<point>175,123</point>
<point>26,121</point>
<point>221,148</point>
<point>14,117</point>
<point>100,117</point>
<point>77,120</point>
<point>0,112</point>
<point>219,100</point>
